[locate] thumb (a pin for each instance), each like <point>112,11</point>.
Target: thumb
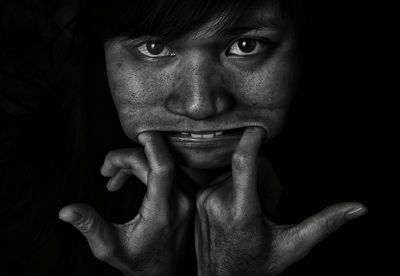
<point>314,229</point>
<point>97,231</point>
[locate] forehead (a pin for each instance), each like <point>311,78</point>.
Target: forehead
<point>267,15</point>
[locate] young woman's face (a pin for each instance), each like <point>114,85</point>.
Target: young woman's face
<point>203,89</point>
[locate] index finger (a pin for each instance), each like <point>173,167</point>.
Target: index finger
<point>160,175</point>
<point>244,165</point>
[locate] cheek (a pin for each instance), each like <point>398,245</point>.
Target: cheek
<point>132,84</point>
<point>135,88</point>
<point>268,88</point>
<point>264,94</point>
<point>138,93</point>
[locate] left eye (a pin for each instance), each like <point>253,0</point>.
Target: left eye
<point>246,47</point>
<point>154,48</point>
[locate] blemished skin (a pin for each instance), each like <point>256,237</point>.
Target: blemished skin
<point>204,82</point>
<point>206,101</point>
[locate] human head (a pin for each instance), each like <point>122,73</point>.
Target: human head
<point>214,71</point>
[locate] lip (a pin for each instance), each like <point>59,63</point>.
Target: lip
<point>185,140</point>
<point>170,133</point>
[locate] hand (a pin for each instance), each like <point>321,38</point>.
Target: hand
<point>151,242</point>
<point>233,236</point>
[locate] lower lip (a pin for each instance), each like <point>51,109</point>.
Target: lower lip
<point>191,142</point>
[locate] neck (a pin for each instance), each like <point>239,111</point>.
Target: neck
<point>203,177</point>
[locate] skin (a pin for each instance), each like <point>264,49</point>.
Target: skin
<point>152,242</point>
<point>202,88</point>
<point>203,83</point>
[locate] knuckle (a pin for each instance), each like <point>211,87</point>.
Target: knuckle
<point>109,157</point>
<point>240,160</point>
<point>201,199</point>
<point>185,206</point>
<point>165,169</point>
<point>104,253</point>
<point>329,225</point>
<point>199,202</point>
<point>105,168</point>
<point>87,225</point>
<point>213,205</point>
<point>133,155</point>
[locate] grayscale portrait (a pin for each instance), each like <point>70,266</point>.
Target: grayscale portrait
<point>191,137</point>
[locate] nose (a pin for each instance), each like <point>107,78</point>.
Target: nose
<point>199,92</point>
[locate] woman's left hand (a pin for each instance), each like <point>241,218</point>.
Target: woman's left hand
<point>233,236</point>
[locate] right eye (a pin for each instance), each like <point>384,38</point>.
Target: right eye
<point>154,49</point>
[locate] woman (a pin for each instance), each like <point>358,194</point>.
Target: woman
<point>200,87</point>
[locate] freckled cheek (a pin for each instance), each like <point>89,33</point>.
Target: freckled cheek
<point>272,90</point>
<point>264,96</point>
<point>137,90</point>
<point>140,97</point>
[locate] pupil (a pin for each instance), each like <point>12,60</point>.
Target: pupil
<point>247,45</point>
<point>155,47</point>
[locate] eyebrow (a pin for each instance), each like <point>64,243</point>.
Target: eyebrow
<point>254,23</point>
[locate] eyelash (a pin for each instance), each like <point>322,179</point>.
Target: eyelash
<point>265,43</point>
<point>144,46</point>
<point>261,42</point>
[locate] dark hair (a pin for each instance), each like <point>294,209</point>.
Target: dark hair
<point>171,19</point>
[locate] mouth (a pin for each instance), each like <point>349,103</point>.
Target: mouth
<point>203,135</point>
<point>204,139</point>
<point>207,149</point>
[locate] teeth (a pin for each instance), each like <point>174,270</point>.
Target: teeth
<point>196,135</point>
<point>203,136</point>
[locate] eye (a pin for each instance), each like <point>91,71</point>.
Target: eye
<point>246,47</point>
<point>155,48</point>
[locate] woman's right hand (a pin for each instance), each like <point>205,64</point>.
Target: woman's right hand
<point>151,242</point>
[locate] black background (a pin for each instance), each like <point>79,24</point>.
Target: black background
<point>336,145</point>
<point>344,148</point>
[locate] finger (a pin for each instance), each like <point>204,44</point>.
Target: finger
<point>314,229</point>
<point>96,230</point>
<point>132,159</point>
<point>161,171</point>
<point>244,165</point>
<point>118,180</point>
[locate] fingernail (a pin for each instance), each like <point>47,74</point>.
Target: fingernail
<point>145,136</point>
<point>142,138</point>
<point>356,212</point>
<point>109,185</point>
<point>69,216</point>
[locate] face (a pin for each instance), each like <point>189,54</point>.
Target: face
<point>204,88</point>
